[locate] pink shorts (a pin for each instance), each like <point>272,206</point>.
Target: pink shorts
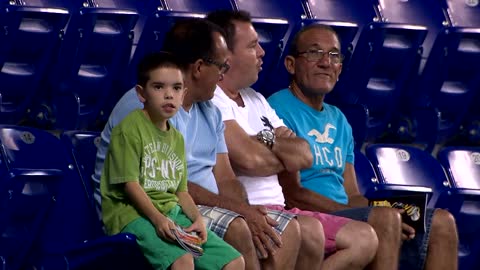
<point>331,224</point>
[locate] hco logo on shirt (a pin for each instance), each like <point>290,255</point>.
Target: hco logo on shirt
<point>323,154</point>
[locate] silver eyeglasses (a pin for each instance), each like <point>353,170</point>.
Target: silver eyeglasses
<point>315,55</point>
<point>222,67</point>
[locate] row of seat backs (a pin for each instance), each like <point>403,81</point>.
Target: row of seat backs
<point>451,181</point>
<point>47,216</point>
<point>383,42</point>
<point>65,54</point>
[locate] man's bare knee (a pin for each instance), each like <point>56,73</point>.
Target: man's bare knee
<point>361,241</point>
<point>184,262</point>
<point>312,233</point>
<point>237,229</point>
<point>443,225</point>
<point>292,230</point>
<point>238,235</point>
<point>385,219</point>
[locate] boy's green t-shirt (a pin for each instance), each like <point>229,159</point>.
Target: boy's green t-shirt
<point>139,151</point>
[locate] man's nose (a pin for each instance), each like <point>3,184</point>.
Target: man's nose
<point>324,60</point>
<point>260,51</point>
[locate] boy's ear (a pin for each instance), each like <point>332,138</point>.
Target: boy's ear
<point>140,93</point>
<point>290,64</point>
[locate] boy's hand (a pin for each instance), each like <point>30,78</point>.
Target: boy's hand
<point>164,227</point>
<point>199,227</point>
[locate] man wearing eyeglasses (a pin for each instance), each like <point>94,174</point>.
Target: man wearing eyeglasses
<point>260,147</point>
<point>314,63</point>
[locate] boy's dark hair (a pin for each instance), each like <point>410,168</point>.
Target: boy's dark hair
<point>225,19</point>
<point>153,61</point>
<point>293,50</point>
<point>191,40</point>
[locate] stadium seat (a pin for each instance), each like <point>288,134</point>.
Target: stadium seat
<point>83,145</point>
<point>95,52</point>
<point>66,233</point>
<point>463,168</point>
<point>28,188</point>
<point>409,169</point>
<point>23,66</point>
<point>197,6</point>
<point>449,74</point>
<point>463,13</point>
<point>367,180</point>
<point>471,132</point>
<point>383,55</point>
<point>406,169</point>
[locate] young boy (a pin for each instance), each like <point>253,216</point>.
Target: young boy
<point>144,180</point>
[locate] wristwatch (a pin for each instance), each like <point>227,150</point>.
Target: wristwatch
<point>267,137</point>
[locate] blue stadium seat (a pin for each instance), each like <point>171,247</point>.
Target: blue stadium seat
<point>83,145</point>
<point>367,180</point>
<point>463,13</point>
<point>472,123</point>
<point>414,124</point>
<point>69,236</point>
<point>28,188</point>
<point>407,169</point>
<point>96,51</point>
<point>463,168</point>
<point>383,56</point>
<point>449,74</point>
<point>197,6</point>
<point>22,65</point>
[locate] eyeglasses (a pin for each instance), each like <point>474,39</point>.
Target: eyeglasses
<point>316,55</point>
<point>222,67</point>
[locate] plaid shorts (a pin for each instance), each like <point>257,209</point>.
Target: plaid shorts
<point>218,219</point>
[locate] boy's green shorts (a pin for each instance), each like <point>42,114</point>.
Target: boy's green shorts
<point>161,254</point>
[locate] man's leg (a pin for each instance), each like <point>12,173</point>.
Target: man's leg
<point>443,244</point>
<point>238,235</point>
<point>285,256</point>
<point>312,244</point>
<point>234,230</point>
<point>356,244</point>
<point>387,223</point>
